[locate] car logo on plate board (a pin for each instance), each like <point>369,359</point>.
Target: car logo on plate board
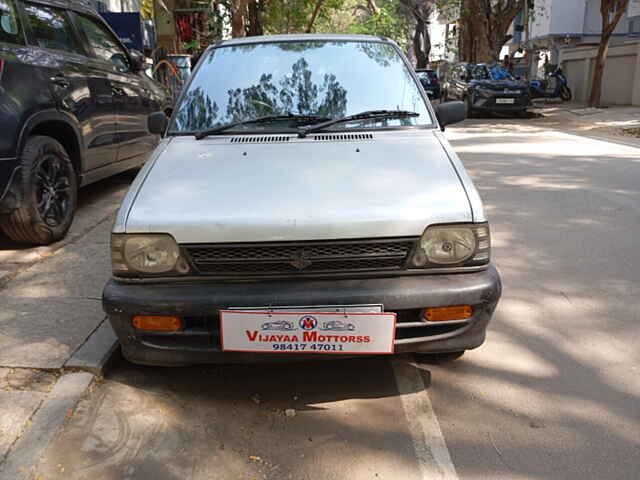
<point>308,322</point>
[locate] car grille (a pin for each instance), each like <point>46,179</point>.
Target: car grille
<point>299,258</point>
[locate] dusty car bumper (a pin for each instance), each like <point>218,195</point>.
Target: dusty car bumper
<point>198,305</point>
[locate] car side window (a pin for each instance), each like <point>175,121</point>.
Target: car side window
<point>104,44</point>
<point>51,28</point>
<point>10,31</point>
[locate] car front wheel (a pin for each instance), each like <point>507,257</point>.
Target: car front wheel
<point>469,106</point>
<point>49,188</point>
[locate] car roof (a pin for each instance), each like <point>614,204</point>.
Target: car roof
<point>303,37</point>
<point>78,5</point>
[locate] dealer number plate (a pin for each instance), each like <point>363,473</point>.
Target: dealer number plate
<point>307,332</point>
<point>505,100</point>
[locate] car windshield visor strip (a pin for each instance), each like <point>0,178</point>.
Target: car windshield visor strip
<point>368,115</point>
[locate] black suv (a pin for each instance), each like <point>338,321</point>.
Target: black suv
<point>73,110</point>
<point>484,88</point>
<point>429,80</point>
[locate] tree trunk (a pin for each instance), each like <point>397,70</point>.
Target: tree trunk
<point>238,18</point>
<point>608,27</point>
<point>596,83</point>
<point>483,28</point>
<point>427,43</point>
<point>254,26</point>
<point>314,15</point>
<point>467,28</point>
<point>418,44</point>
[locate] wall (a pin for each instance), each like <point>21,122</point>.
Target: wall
<point>567,16</point>
<point>122,5</point>
<point>593,19</point>
<point>621,82</point>
<point>541,24</point>
<point>559,17</point>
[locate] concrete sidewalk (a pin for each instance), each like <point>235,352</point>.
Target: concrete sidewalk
<point>51,326</point>
<point>619,124</point>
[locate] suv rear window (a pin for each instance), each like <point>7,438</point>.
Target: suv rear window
<point>9,26</point>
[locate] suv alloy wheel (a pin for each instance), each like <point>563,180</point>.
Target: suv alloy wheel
<point>49,187</point>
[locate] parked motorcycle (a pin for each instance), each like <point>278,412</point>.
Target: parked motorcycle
<point>541,88</point>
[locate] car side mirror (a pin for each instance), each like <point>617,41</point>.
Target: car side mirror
<point>157,123</point>
<point>450,112</point>
<point>137,60</point>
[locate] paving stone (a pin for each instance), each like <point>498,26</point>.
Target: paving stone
<point>17,408</point>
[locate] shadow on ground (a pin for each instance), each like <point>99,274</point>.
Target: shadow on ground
<point>330,419</point>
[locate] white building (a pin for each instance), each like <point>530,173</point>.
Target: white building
<point>567,33</point>
<point>558,24</point>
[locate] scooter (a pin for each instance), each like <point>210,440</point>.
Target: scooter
<point>540,88</point>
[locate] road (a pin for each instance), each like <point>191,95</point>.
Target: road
<point>554,392</point>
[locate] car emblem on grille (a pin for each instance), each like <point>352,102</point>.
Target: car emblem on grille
<point>506,90</point>
<point>300,260</point>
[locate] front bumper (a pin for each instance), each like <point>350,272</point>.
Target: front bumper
<point>489,104</point>
<point>198,304</point>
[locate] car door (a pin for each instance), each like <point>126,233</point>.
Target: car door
<point>131,94</point>
<point>53,37</point>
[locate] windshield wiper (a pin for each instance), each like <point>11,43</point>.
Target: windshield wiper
<point>368,115</point>
<point>268,118</point>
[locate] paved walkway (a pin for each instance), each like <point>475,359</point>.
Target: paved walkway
<point>49,308</point>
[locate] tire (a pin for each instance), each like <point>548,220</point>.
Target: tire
<point>50,194</point>
<point>437,358</point>
<point>565,94</point>
<point>469,107</point>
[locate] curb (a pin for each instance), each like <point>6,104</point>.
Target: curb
<point>97,352</point>
<point>22,460</point>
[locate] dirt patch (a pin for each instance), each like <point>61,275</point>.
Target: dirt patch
<point>12,379</point>
<point>632,132</point>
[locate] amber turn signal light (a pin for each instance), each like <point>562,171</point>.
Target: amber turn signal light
<point>156,323</point>
<point>444,314</point>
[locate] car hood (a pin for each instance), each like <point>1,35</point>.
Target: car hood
<point>246,189</point>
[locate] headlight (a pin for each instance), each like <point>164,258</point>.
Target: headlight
<point>153,254</point>
<point>446,245</point>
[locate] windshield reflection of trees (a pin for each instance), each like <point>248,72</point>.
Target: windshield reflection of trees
<point>295,93</point>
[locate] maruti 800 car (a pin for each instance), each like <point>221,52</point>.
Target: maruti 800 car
<point>301,179</point>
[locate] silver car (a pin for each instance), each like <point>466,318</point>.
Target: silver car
<point>301,170</point>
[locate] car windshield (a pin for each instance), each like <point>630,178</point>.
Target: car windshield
<point>324,79</point>
<point>480,72</point>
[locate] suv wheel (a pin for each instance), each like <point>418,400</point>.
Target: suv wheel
<point>50,194</point>
<point>468,106</point>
